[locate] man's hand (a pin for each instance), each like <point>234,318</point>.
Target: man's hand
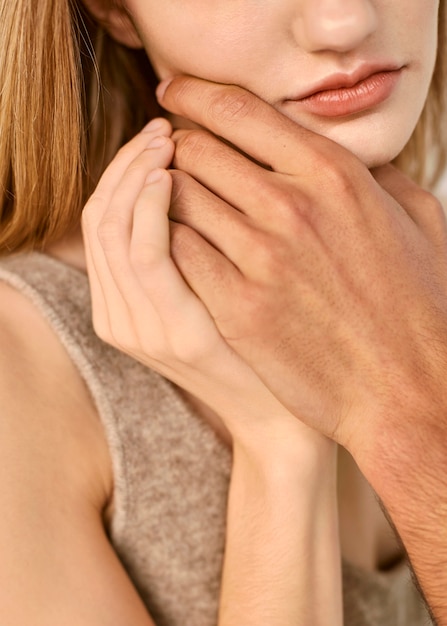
<point>331,282</point>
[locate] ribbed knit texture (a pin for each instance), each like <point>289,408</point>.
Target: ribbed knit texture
<point>171,472</point>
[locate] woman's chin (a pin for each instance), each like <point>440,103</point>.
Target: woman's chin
<point>373,152</point>
<point>372,160</point>
<point>375,139</point>
<point>374,146</point>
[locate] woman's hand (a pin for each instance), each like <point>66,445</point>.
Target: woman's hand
<point>282,554</point>
<point>143,306</point>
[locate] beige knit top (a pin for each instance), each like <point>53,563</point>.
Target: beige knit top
<point>171,473</point>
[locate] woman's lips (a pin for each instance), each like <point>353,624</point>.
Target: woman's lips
<point>365,94</point>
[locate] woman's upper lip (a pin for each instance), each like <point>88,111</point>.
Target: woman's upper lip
<point>345,81</point>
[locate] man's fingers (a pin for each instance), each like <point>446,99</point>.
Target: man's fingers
<point>252,125</point>
<point>223,170</point>
<point>209,274</point>
<point>231,176</point>
<point>224,227</point>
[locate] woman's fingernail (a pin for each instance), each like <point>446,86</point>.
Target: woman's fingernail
<point>154,124</point>
<point>160,91</point>
<point>158,142</point>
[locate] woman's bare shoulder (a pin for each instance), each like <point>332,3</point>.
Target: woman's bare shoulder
<point>57,563</point>
<point>47,416</point>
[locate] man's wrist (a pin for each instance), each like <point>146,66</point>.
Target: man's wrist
<point>405,461</point>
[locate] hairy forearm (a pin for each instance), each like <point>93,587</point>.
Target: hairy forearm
<point>407,467</point>
<point>282,560</point>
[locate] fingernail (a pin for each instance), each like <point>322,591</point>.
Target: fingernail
<point>160,91</point>
<point>154,176</point>
<point>154,124</point>
<point>158,142</point>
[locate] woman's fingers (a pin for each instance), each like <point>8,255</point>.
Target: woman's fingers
<point>158,127</point>
<point>141,303</point>
<point>111,181</point>
<point>100,315</point>
<point>149,251</point>
<point>150,228</point>
<point>115,225</point>
<point>252,125</point>
<point>108,214</point>
<point>107,223</point>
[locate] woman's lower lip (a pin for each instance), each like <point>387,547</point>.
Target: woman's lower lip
<point>366,94</point>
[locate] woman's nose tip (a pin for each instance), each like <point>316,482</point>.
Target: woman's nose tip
<point>337,25</point>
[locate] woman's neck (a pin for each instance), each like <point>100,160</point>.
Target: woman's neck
<point>70,250</point>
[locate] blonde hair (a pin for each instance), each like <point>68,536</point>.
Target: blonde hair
<point>67,103</point>
<point>424,158</point>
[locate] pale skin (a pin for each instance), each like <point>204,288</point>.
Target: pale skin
<point>59,485</point>
<point>257,424</point>
<point>265,576</point>
<point>343,298</point>
<point>359,355</point>
<point>58,489</point>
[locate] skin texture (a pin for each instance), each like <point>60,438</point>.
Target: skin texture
<point>359,354</point>
<point>341,303</point>
<point>335,339</point>
<point>58,483</point>
<point>328,280</point>
<point>278,49</point>
<point>279,563</point>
